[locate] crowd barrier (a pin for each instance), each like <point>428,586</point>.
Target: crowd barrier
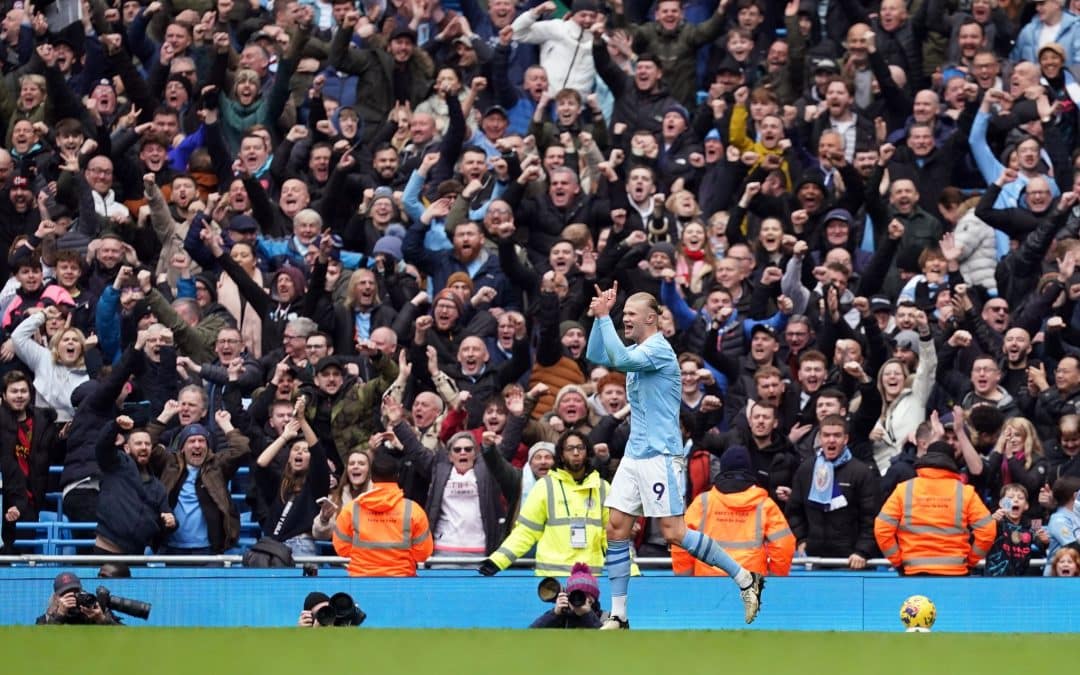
<point>458,598</point>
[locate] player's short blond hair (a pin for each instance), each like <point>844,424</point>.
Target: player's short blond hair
<point>646,299</point>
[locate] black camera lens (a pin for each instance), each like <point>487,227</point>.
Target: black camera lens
<point>577,598</point>
<point>325,616</point>
<point>346,613</point>
<point>135,608</point>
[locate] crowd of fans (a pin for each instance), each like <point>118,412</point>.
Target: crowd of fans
<point>345,244</point>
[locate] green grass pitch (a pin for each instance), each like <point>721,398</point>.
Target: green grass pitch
<point>239,651</point>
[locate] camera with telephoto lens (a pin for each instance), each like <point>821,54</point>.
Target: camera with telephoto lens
<point>549,589</point>
<point>115,603</point>
<point>341,611</point>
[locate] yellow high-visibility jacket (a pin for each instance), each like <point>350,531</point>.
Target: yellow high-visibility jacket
<point>553,506</point>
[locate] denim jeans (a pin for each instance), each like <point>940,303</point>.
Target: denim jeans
<point>302,545</point>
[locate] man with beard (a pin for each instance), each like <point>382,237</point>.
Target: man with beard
<point>342,409</point>
<point>446,327</point>
<point>385,169</point>
<point>356,319</point>
<point>386,76</point>
<point>838,113</point>
<point>1016,348</point>
<point>133,509</point>
<point>170,223</point>
<point>468,255</point>
<point>579,487</point>
<point>18,216</point>
<point>775,73</point>
<point>834,499</point>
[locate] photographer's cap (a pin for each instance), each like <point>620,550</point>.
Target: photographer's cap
<point>581,579</point>
<point>315,598</point>
<point>66,582</point>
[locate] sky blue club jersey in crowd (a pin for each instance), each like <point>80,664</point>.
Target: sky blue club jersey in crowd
<point>653,388</point>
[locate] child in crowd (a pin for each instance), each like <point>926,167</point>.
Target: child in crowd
<point>1019,539</point>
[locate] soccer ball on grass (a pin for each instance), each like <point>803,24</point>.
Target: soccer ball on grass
<point>918,614</point>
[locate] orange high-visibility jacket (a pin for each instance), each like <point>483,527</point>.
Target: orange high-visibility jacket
<point>383,534</point>
<point>748,525</point>
<point>927,523</point>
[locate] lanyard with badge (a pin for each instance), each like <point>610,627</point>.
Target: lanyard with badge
<point>577,525</point>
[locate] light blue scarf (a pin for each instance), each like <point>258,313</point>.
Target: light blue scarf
<point>824,490</point>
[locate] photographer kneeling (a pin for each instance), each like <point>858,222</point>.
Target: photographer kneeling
<point>321,610</point>
<point>70,605</point>
<point>576,606</point>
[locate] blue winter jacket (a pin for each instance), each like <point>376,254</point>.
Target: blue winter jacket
<point>1068,36</point>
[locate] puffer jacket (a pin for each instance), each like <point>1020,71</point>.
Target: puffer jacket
<point>978,257</point>
<point>1068,36</point>
<point>908,411</point>
<point>564,51</point>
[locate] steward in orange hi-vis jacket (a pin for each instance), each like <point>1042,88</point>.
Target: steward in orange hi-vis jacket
<point>926,525</point>
<point>382,533</point>
<point>742,518</point>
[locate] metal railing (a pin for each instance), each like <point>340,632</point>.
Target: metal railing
<point>808,563</point>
